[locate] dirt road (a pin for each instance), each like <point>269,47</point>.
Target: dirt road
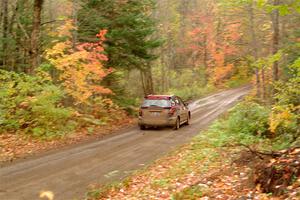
<point>68,173</point>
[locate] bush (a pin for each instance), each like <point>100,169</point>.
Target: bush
<point>130,105</point>
<point>192,92</point>
<point>249,118</point>
<point>245,124</point>
<point>249,123</point>
<point>31,104</point>
<point>188,84</point>
<point>285,117</point>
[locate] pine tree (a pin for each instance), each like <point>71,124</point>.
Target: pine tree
<point>130,42</point>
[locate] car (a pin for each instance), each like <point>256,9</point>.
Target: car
<point>163,110</point>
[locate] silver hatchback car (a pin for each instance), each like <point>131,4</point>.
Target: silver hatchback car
<point>163,110</point>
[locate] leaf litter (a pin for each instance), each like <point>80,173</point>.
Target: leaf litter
<point>228,173</point>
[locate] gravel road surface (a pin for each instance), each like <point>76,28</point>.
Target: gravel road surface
<point>67,173</point>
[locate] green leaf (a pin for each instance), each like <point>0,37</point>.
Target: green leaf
<point>284,10</point>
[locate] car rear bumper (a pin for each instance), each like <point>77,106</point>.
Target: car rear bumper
<point>167,122</point>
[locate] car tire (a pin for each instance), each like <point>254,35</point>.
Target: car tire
<point>177,124</point>
<point>142,127</point>
<point>188,120</point>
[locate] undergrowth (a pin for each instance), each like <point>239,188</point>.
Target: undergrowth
<point>32,105</point>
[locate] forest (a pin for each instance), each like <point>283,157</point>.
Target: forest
<point>79,60</point>
<point>74,66</point>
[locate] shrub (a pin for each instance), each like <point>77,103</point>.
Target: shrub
<point>193,91</point>
<point>99,111</point>
<point>245,124</point>
<point>241,76</point>
<point>249,123</point>
<point>285,116</point>
<point>31,104</point>
<point>130,105</point>
<point>249,118</point>
<point>189,83</point>
<point>285,120</point>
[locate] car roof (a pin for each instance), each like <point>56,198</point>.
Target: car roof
<point>151,96</point>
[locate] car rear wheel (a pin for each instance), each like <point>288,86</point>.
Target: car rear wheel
<point>188,120</point>
<point>177,124</point>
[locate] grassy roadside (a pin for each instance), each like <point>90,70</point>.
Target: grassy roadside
<point>211,166</point>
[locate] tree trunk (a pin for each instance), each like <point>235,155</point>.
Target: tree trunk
<point>254,47</point>
<point>75,21</point>
<point>205,53</point>
<point>35,35</point>
<point>263,84</point>
<point>275,41</point>
<point>163,73</point>
<point>4,31</point>
<point>147,82</point>
<point>13,50</point>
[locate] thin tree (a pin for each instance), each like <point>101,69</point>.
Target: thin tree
<point>35,35</point>
<point>275,40</point>
<point>254,46</point>
<point>4,30</point>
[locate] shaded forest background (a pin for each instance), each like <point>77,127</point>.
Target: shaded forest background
<point>80,63</point>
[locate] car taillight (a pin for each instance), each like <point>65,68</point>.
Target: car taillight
<point>140,113</point>
<point>172,111</point>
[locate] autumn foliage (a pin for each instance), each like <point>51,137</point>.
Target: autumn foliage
<point>214,40</point>
<point>80,66</point>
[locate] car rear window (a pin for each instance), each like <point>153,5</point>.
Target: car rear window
<point>156,102</point>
